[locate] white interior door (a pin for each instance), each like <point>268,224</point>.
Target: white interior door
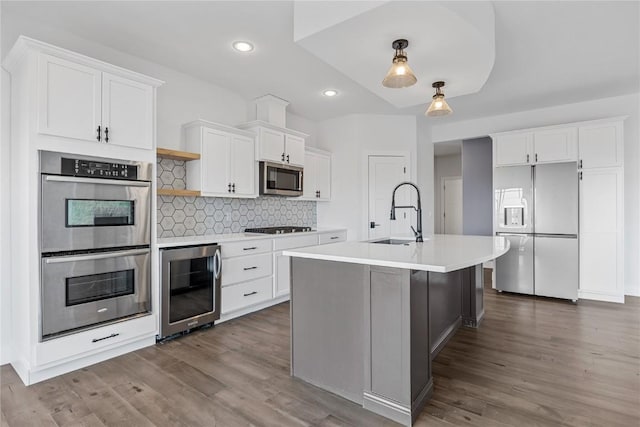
<point>385,172</point>
<point>451,205</point>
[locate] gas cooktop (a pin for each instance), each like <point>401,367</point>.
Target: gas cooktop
<point>277,230</point>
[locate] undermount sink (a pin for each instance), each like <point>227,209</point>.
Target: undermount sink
<point>394,241</point>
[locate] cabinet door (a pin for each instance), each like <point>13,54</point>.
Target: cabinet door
<point>127,112</point>
<point>294,148</point>
<point>309,182</point>
<point>513,149</point>
<point>243,166</point>
<point>270,145</point>
<point>323,177</point>
<point>215,161</point>
<point>282,277</point>
<point>68,99</point>
<point>600,146</point>
<point>601,252</point>
<point>557,145</point>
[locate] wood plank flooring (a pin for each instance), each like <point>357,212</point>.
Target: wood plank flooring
<point>533,362</point>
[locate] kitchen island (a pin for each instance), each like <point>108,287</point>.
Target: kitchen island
<point>367,318</point>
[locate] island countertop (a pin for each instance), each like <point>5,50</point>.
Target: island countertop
<point>440,253</point>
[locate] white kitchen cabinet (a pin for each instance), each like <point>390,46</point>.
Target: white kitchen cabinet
<point>282,277</point>
<point>601,234</point>
<point>317,176</point>
<point>555,145</point>
<point>226,167</point>
<point>69,98</point>
<point>127,112</point>
<point>82,102</point>
<point>512,149</point>
<point>600,145</point>
<point>276,144</point>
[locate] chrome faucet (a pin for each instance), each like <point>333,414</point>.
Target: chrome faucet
<point>418,230</point>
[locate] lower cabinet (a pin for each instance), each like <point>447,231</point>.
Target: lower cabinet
<point>245,294</point>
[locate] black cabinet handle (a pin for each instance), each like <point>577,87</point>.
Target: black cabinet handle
<point>580,163</point>
<point>229,188</point>
<point>527,158</point>
<point>250,249</point>
<point>250,293</point>
<point>580,176</point>
<point>335,237</point>
<point>287,158</point>
<point>536,157</point>
<point>283,157</point>
<point>250,268</point>
<point>104,338</point>
<point>99,137</point>
<point>233,187</point>
<point>106,134</point>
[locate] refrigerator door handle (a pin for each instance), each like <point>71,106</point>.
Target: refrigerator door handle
<point>515,234</point>
<point>557,236</point>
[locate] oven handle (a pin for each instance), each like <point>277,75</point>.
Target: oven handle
<point>217,264</point>
<point>81,180</point>
<point>91,257</point>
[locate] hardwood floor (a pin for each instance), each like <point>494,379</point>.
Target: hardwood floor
<point>533,361</point>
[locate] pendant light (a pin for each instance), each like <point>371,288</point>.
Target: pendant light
<point>400,74</point>
<point>439,106</point>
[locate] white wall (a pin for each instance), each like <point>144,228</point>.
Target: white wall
<point>596,109</point>
<point>443,167</point>
<point>425,176</point>
<point>351,139</point>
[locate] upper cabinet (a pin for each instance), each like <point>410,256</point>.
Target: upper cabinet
<point>600,145</point>
<point>554,145</point>
<point>227,166</point>
<point>276,144</point>
<point>316,176</point>
<point>549,145</point>
<point>512,149</point>
<point>83,99</point>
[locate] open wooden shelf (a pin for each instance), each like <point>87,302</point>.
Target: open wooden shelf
<point>177,155</point>
<point>176,192</point>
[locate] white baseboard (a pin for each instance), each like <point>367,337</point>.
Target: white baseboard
<point>251,309</point>
<point>600,297</point>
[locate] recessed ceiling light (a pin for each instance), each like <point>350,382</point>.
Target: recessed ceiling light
<point>330,92</point>
<point>241,46</point>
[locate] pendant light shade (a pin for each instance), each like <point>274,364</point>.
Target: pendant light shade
<point>400,74</point>
<point>439,106</point>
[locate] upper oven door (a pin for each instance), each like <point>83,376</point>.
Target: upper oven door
<point>90,213</point>
<point>280,180</point>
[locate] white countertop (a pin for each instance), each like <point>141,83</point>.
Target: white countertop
<point>440,253</point>
<point>167,242</point>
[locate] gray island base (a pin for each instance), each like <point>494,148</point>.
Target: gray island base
<point>369,333</point>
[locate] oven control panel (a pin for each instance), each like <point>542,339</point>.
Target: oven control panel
<point>94,169</point>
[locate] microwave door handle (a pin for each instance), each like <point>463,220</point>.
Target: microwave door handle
<point>217,264</point>
<point>80,180</point>
<point>92,257</point>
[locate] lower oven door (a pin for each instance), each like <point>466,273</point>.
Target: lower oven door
<point>92,213</point>
<point>81,291</point>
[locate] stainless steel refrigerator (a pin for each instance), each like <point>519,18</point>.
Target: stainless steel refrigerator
<point>537,211</point>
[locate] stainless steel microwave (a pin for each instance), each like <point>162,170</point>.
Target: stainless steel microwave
<point>280,180</point>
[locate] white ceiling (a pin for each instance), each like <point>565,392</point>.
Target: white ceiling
<point>451,41</point>
<point>546,53</point>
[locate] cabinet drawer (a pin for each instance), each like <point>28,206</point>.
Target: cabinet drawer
<point>87,342</point>
<point>338,236</point>
<point>245,268</point>
<point>295,242</point>
<point>245,294</point>
<point>247,247</point>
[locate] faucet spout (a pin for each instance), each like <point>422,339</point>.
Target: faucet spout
<point>418,230</point>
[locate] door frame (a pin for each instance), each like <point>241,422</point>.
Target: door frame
<point>364,229</point>
<point>443,180</point>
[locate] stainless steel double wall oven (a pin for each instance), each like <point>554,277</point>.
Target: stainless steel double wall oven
<point>95,235</point>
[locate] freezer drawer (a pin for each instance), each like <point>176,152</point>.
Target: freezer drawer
<point>514,270</point>
<point>556,266</point>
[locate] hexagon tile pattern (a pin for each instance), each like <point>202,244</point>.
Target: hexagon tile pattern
<point>197,216</point>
